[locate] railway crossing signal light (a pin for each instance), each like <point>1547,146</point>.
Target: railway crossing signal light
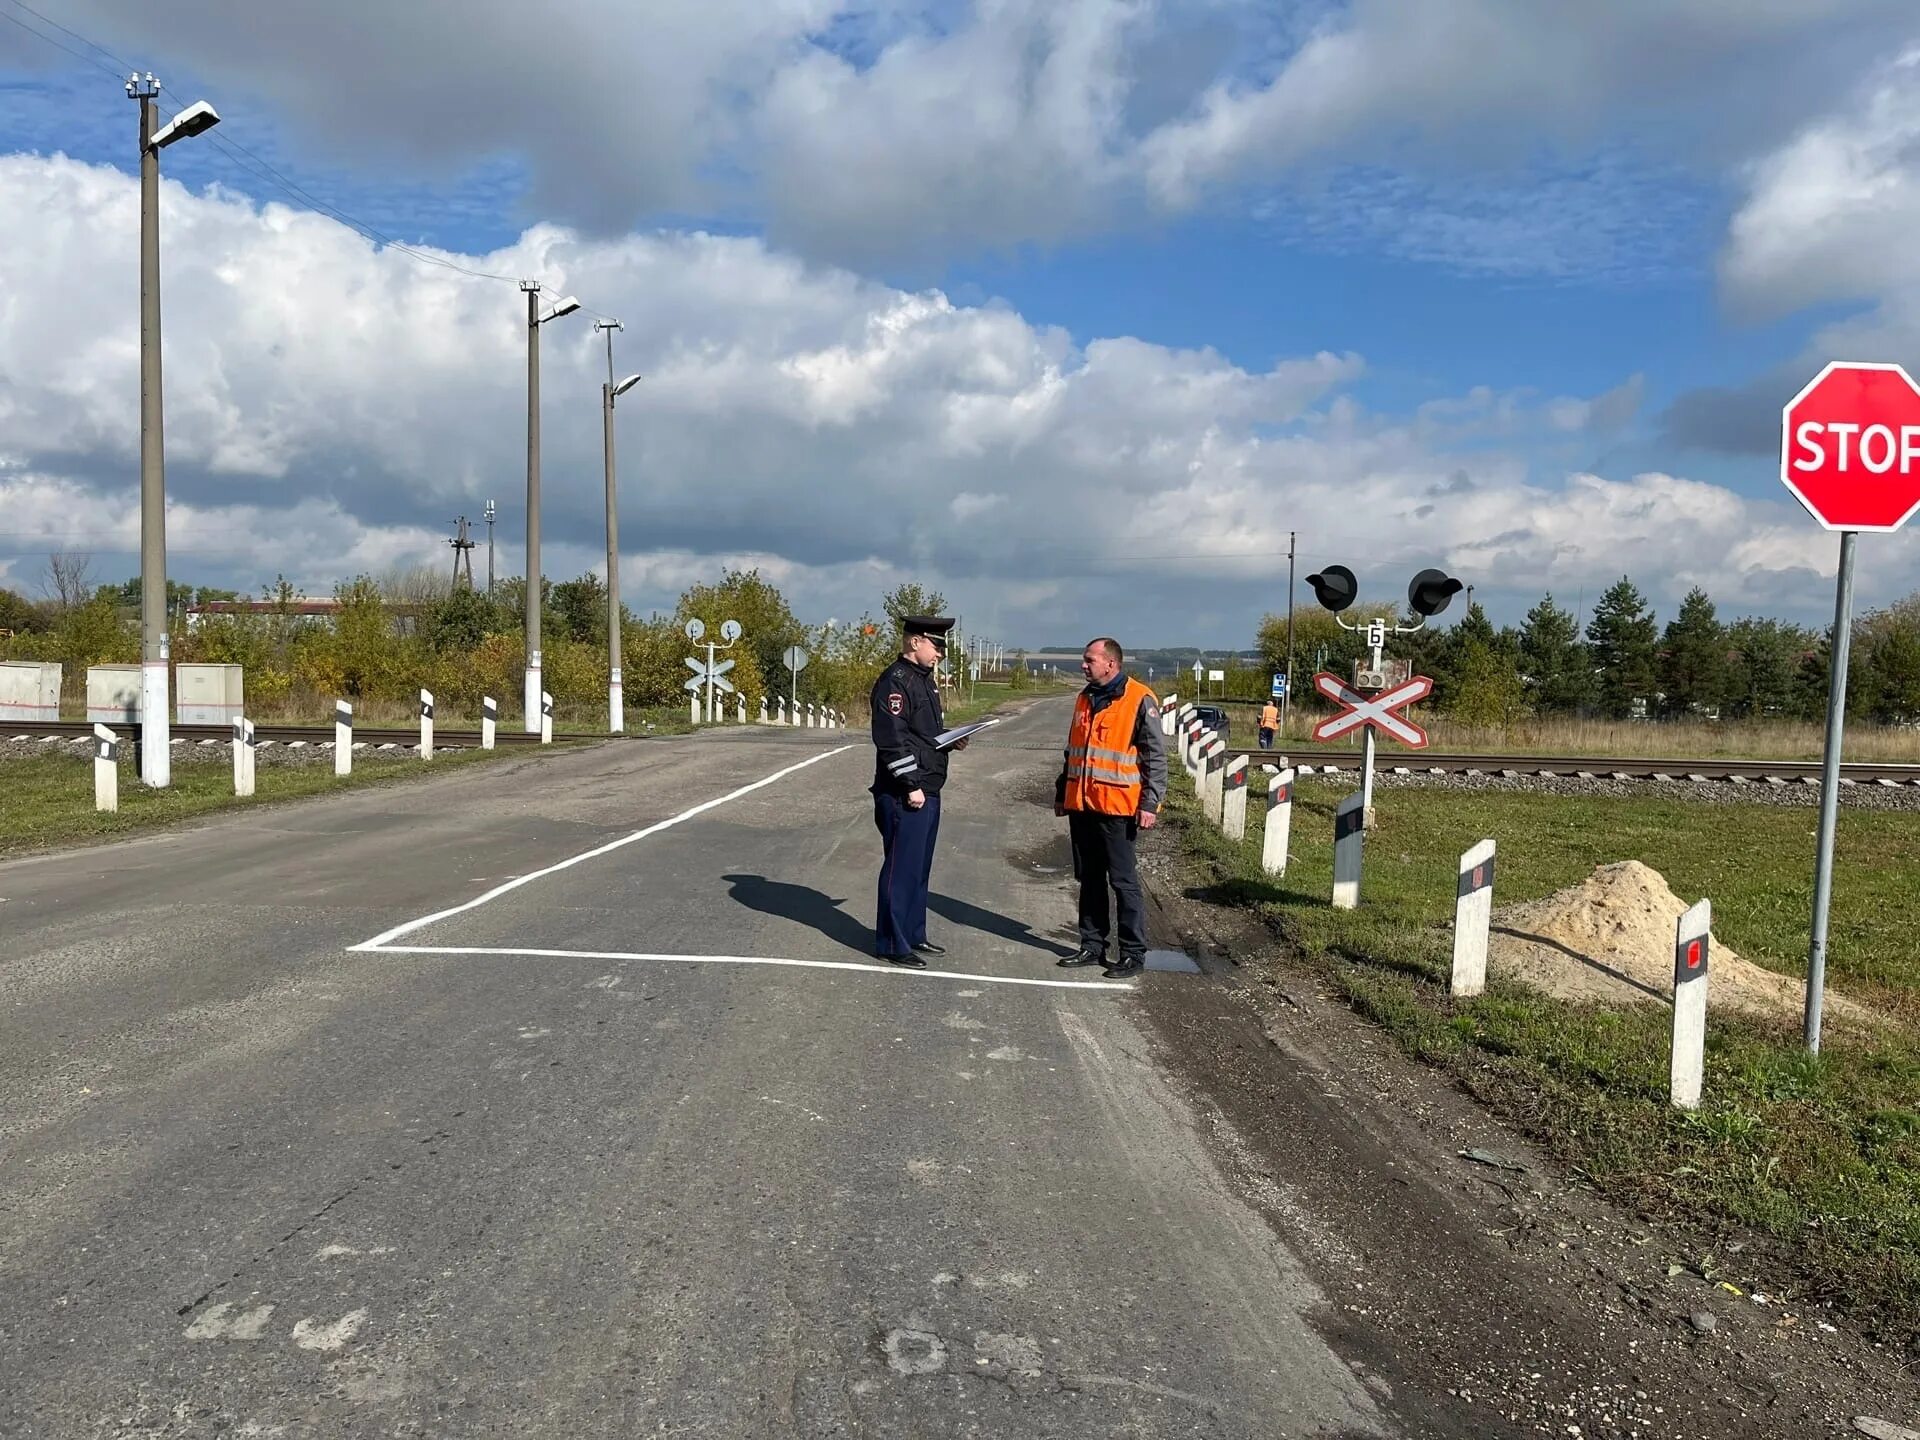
<point>1334,587</point>
<point>1430,590</point>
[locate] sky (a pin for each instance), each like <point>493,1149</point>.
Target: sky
<point>1074,310</point>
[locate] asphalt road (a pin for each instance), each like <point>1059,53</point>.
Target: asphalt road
<point>643,1144</point>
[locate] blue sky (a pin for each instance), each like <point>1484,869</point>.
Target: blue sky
<point>1561,256</point>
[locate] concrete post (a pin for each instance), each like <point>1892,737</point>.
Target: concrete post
<point>342,738</point>
<point>763,709</point>
<point>489,718</point>
<point>740,709</point>
<point>693,709</point>
<point>1690,946</point>
<point>1472,917</point>
<point>1273,845</point>
<point>106,770</point>
<point>1167,717</point>
<point>242,757</point>
<point>1349,832</point>
<point>1213,767</point>
<point>1233,802</point>
<point>426,725</point>
<point>546,718</point>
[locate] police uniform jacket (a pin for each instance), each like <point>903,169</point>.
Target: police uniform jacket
<point>906,718</point>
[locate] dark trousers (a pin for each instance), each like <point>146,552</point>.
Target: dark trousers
<point>1102,859</point>
<point>1266,737</point>
<point>906,836</point>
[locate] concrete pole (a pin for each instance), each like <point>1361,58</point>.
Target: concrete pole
<point>531,693</point>
<point>156,755</point>
<point>1472,919</point>
<point>1279,831</point>
<point>342,738</point>
<point>1286,700</point>
<point>1690,948</point>
<point>616,701</point>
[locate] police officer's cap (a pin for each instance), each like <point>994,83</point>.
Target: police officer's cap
<point>934,627</point>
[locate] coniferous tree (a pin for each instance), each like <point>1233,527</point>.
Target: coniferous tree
<point>1553,662</point>
<point>1621,638</point>
<point>1693,659</point>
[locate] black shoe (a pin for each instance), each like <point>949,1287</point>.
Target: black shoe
<point>1085,957</point>
<point>910,960</point>
<point>1128,965</point>
<point>927,947</point>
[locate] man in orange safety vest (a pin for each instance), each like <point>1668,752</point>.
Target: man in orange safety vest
<point>1110,790</point>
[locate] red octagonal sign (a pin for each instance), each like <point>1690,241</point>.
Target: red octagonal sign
<point>1850,447</point>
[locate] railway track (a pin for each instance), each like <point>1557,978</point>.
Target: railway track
<point>266,734</point>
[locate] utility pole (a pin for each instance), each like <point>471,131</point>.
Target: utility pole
<point>462,544</point>
<point>535,319</point>
<point>1286,699</point>
<point>489,517</point>
<point>156,756</point>
<point>611,391</point>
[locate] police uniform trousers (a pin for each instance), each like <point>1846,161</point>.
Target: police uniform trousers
<point>907,836</point>
<point>1103,859</point>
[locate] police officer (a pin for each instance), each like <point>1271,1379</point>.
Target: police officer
<point>908,773</point>
<point>1110,790</point>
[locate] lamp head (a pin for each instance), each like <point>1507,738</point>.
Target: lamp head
<point>196,119</point>
<point>565,305</point>
<point>627,384</point>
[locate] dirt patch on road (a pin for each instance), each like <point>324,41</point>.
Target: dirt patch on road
<point>1610,939</point>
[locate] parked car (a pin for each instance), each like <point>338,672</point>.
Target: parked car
<point>1213,718</point>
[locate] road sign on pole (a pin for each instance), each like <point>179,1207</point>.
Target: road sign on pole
<point>1376,712</point>
<point>1279,685</point>
<point>1850,453</point>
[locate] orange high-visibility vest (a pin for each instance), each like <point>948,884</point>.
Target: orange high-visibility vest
<point>1270,716</point>
<point>1103,768</point>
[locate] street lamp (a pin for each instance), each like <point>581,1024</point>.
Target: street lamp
<point>609,392</point>
<point>155,647</point>
<point>536,317</point>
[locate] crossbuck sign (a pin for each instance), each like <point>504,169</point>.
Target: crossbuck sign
<point>1378,711</point>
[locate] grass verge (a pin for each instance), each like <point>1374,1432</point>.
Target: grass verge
<point>1819,1155</point>
<point>47,800</point>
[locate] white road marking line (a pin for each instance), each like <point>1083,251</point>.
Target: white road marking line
<point>743,960</point>
<point>310,1334</point>
<point>380,941</point>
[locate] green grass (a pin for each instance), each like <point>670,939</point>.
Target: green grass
<point>1820,1155</point>
<point>47,800</point>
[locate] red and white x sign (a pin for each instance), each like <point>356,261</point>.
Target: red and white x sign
<point>1379,711</point>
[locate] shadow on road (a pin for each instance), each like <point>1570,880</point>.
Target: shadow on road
<point>974,918</point>
<point>805,904</point>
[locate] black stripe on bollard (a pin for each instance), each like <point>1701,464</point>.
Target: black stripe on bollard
<point>106,750</point>
<point>343,716</point>
<point>1690,959</point>
<point>546,705</point>
<point>1237,778</point>
<point>1351,822</point>
<point>490,708</point>
<point>1281,795</point>
<point>426,710</point>
<point>1478,878</point>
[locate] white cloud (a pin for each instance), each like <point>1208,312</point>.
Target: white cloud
<point>915,130</point>
<point>330,409</point>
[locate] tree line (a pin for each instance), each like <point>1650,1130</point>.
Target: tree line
<point>1624,664</point>
<point>387,638</point>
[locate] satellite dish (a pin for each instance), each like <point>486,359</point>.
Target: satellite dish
<point>730,631</point>
<point>695,629</point>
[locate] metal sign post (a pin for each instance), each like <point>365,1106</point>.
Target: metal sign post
<point>1847,454</point>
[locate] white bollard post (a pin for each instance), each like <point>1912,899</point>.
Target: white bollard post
<point>342,738</point>
<point>489,718</point>
<point>616,702</point>
<point>693,709</point>
<point>426,725</point>
<point>763,709</point>
<point>1349,834</point>
<point>740,709</point>
<point>1273,845</point>
<point>1213,766</point>
<point>546,718</point>
<point>1190,752</point>
<point>1167,719</point>
<point>1472,917</point>
<point>1690,945</point>
<point>1233,801</point>
<point>242,757</point>
<point>106,770</point>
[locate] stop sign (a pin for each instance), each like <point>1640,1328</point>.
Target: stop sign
<point>1850,447</point>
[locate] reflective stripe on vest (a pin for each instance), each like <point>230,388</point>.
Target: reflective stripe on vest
<point>1103,768</point>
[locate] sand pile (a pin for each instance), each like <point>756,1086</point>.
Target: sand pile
<point>1610,938</point>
